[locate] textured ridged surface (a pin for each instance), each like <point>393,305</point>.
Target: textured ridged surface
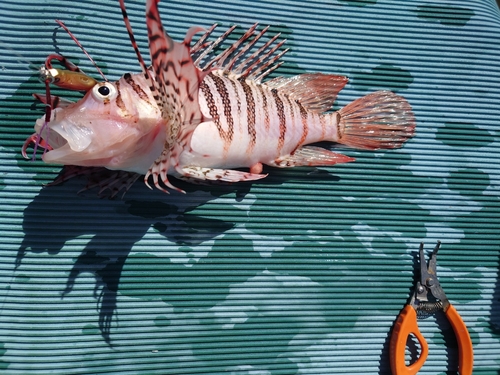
<point>302,273</point>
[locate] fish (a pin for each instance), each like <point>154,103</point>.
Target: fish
<point>206,117</point>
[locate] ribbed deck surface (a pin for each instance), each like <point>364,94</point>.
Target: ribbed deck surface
<point>302,273</point>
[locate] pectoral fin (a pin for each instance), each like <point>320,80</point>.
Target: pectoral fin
<point>311,156</point>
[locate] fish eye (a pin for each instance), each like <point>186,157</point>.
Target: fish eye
<point>104,91</point>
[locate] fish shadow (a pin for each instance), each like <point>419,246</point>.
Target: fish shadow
<point>57,215</point>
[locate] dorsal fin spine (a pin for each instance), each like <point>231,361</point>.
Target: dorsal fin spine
<point>259,78</point>
<point>200,44</point>
<point>261,68</point>
<point>254,55</point>
<point>229,51</point>
<point>249,45</point>
<point>263,72</point>
<point>132,37</point>
<point>212,46</point>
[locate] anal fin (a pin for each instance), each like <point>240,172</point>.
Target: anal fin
<point>226,175</point>
<point>311,156</point>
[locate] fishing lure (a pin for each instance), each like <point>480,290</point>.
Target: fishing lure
<point>197,116</point>
<point>71,78</point>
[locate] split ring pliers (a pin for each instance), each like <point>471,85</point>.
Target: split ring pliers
<point>406,322</point>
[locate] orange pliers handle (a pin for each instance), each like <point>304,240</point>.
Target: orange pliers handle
<point>465,351</point>
<point>406,324</point>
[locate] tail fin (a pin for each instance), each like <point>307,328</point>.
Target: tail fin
<point>378,120</point>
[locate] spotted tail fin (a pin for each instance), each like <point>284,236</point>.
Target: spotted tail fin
<point>376,121</point>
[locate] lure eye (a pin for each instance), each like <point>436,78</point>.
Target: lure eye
<point>104,91</point>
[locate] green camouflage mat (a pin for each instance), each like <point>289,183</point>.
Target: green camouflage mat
<point>303,272</point>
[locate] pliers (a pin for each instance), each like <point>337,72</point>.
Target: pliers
<point>406,322</point>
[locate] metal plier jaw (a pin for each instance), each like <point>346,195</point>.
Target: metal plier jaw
<point>406,323</point>
<point>429,283</point>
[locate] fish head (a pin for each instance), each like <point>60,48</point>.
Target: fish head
<point>115,125</point>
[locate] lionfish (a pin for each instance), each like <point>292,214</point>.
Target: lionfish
<point>197,115</point>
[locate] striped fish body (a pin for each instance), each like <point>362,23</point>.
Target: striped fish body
<point>255,123</point>
<point>250,124</point>
<point>272,123</point>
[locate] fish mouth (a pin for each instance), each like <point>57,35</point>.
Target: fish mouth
<point>59,139</point>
